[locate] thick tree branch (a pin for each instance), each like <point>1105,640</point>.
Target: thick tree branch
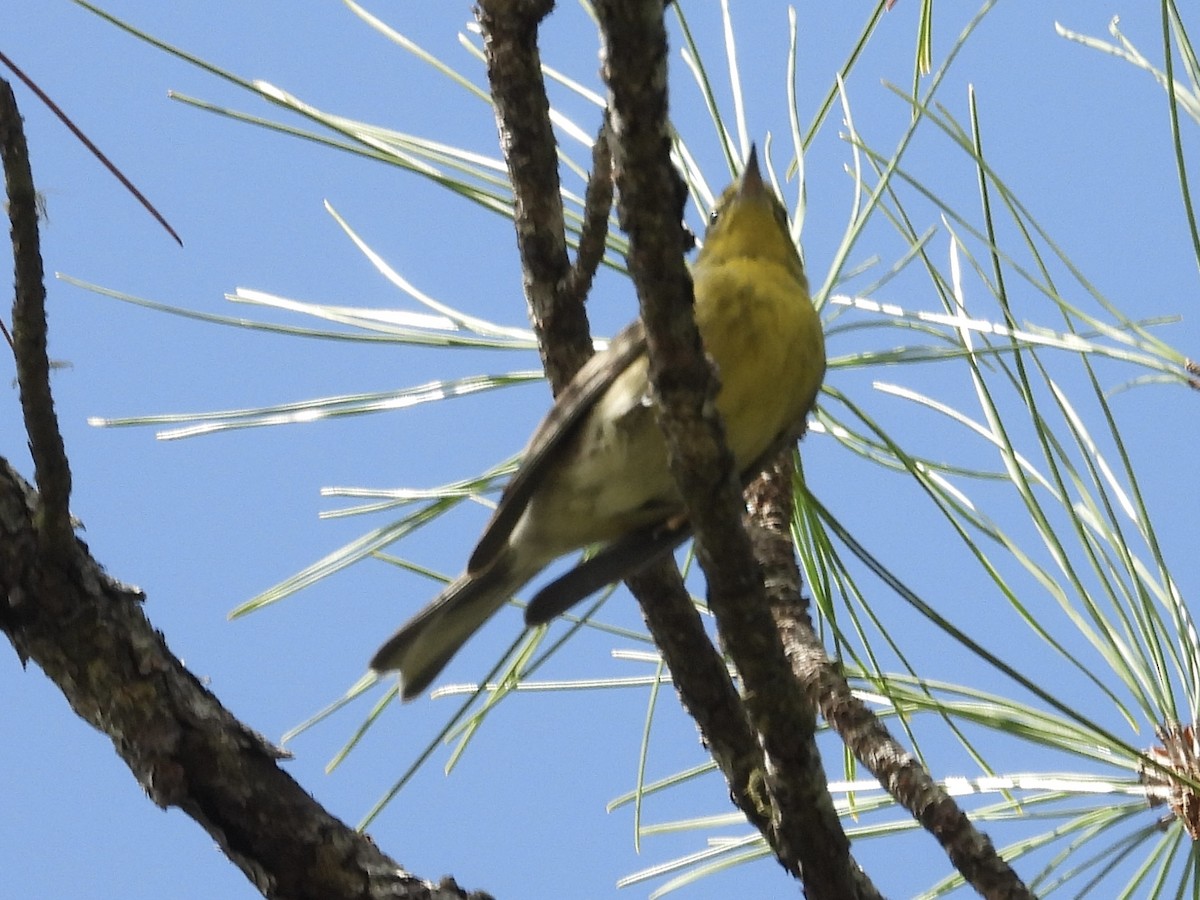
<point>808,844</point>
<point>90,637</point>
<point>522,111</point>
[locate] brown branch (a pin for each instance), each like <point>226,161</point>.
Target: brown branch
<point>698,671</point>
<point>970,850</point>
<point>809,844</point>
<point>89,635</point>
<point>597,204</point>
<point>52,472</point>
<point>705,688</point>
<point>792,806</point>
<point>527,139</point>
<point>769,506</point>
<point>770,501</point>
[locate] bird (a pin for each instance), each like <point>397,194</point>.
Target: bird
<point>595,471</point>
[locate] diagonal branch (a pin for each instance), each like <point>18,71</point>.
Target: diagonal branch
<point>705,688</point>
<point>89,635</point>
<point>522,112</point>
<point>803,831</point>
<point>770,502</point>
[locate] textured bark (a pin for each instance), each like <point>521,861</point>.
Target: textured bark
<point>90,636</point>
<point>789,790</point>
<point>29,331</point>
<point>510,30</point>
<point>970,850</point>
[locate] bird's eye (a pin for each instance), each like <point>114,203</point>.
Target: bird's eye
<point>713,216</point>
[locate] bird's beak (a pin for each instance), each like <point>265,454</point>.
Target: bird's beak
<point>751,184</point>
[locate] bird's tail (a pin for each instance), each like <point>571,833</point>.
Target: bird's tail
<point>424,644</point>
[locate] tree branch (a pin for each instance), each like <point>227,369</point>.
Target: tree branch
<point>90,637</point>
<point>770,502</point>
<point>769,508</point>
<point>527,138</point>
<point>522,112</point>
<point>52,472</point>
<point>593,232</point>
<point>970,850</point>
<point>808,844</point>
<point>705,688</point>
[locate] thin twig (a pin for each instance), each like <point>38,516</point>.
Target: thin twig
<point>597,204</point>
<point>95,151</point>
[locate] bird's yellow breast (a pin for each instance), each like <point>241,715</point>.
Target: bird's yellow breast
<point>765,337</point>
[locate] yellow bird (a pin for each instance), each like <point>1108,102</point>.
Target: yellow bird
<point>595,471</point>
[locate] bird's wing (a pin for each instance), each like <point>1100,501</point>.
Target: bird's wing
<point>631,553</point>
<point>625,556</point>
<point>575,401</point>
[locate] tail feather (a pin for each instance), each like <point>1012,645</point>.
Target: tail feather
<point>425,644</point>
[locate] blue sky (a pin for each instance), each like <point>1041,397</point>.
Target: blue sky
<point>201,525</point>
